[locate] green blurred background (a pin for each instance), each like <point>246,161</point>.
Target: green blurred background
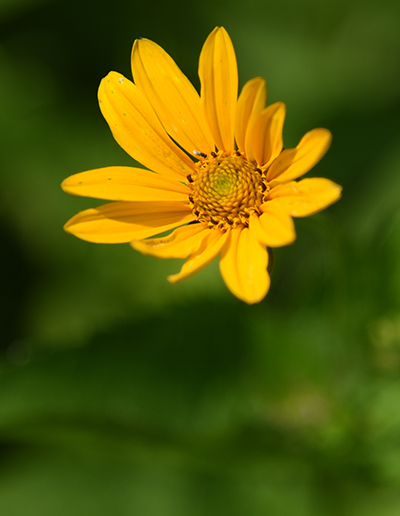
<point>121,394</point>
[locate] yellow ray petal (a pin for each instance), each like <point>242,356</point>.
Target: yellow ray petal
<point>179,244</point>
<point>274,228</point>
<point>219,87</point>
<point>243,266</point>
<point>306,197</point>
<point>205,254</point>
<point>125,184</point>
<point>266,134</point>
<point>120,222</point>
<point>171,95</point>
<point>251,102</point>
<point>293,163</point>
<point>137,129</point>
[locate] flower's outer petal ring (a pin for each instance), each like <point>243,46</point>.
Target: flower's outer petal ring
<point>179,244</point>
<point>219,87</point>
<point>293,163</point>
<point>306,197</point>
<point>243,266</point>
<point>121,222</point>
<point>204,255</point>
<point>137,129</point>
<point>266,134</point>
<point>251,102</point>
<point>274,228</point>
<point>125,184</point>
<point>172,96</point>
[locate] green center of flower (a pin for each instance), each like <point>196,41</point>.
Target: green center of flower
<point>226,190</point>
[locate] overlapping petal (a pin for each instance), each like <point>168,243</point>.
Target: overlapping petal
<point>121,222</point>
<point>293,163</point>
<point>219,87</point>
<point>203,256</point>
<point>274,228</point>
<point>266,134</point>
<point>179,244</point>
<point>243,266</point>
<point>172,96</point>
<point>251,102</point>
<point>125,184</point>
<point>137,129</point>
<point>306,197</point>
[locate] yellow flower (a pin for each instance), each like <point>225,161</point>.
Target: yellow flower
<point>218,174</point>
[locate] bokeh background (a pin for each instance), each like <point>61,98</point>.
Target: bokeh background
<point>121,394</point>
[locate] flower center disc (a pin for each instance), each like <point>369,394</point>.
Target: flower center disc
<point>226,190</point>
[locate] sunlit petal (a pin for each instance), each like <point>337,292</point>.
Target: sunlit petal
<point>266,134</point>
<point>179,244</point>
<point>125,184</point>
<point>171,95</point>
<point>219,87</point>
<point>274,228</point>
<point>293,163</point>
<point>121,222</point>
<point>137,129</point>
<point>251,102</point>
<point>243,266</point>
<point>306,197</point>
<point>203,256</point>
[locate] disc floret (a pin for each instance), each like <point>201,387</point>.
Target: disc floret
<point>226,190</point>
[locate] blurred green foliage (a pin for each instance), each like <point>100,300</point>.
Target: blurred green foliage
<point>122,394</point>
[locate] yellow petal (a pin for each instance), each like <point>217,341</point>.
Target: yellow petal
<point>293,163</point>
<point>179,244</point>
<point>125,184</point>
<point>119,222</point>
<point>171,95</point>
<point>203,256</point>
<point>243,266</point>
<point>266,134</point>
<point>219,87</point>
<point>306,197</point>
<point>137,129</point>
<point>274,228</point>
<point>251,102</point>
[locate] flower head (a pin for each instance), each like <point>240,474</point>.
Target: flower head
<point>216,172</point>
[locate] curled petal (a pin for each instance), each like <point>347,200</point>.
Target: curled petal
<point>266,134</point>
<point>137,129</point>
<point>293,163</point>
<point>243,266</point>
<point>121,222</point>
<point>251,102</point>
<point>125,184</point>
<point>306,197</point>
<point>179,244</point>
<point>274,228</point>
<point>204,255</point>
<point>171,95</point>
<point>219,87</point>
